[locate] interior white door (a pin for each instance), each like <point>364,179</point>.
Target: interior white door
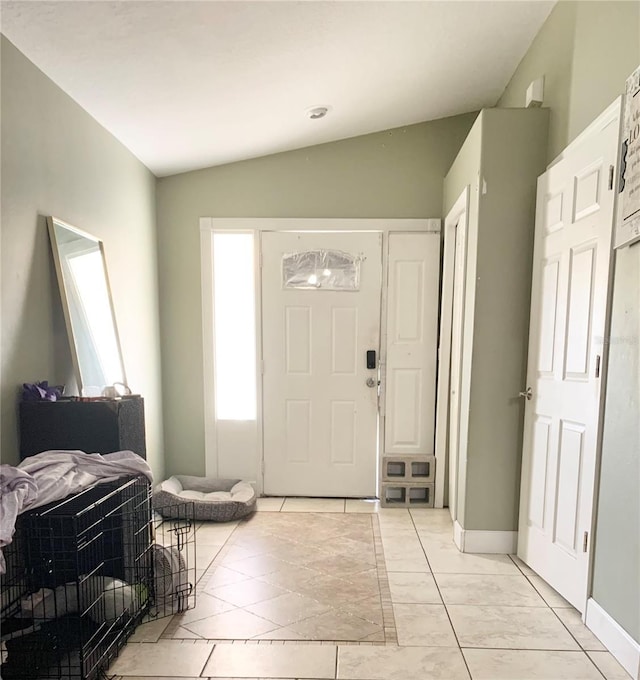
<point>320,399</point>
<point>574,218</point>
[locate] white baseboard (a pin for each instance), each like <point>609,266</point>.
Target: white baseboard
<point>472,541</point>
<point>458,537</point>
<point>614,638</point>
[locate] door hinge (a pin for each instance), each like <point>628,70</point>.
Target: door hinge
<point>611,177</point>
<point>262,467</point>
<point>597,366</point>
<point>585,541</point>
<point>262,367</point>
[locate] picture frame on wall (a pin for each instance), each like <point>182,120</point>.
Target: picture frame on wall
<point>628,222</point>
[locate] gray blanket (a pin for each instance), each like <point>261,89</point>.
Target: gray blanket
<point>53,475</point>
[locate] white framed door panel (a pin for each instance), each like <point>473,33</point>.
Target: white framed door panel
<point>411,338</point>
<point>574,220</point>
<point>320,416</point>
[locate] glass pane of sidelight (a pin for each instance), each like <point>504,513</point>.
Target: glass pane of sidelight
<point>234,326</point>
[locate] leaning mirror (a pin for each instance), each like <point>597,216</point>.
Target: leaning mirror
<point>88,308</point>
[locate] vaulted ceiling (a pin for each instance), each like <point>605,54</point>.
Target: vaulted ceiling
<point>190,84</point>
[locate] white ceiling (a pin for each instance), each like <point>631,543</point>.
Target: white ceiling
<point>187,84</point>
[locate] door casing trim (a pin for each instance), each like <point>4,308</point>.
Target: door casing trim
<point>460,208</point>
<point>209,225</point>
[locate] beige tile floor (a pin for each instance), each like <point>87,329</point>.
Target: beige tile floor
<point>304,590</point>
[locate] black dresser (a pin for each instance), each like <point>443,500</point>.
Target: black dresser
<point>101,426</point>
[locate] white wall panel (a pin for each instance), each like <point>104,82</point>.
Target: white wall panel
<point>412,325</point>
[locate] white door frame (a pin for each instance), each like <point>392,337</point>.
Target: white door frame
<point>606,118</point>
<point>457,218</point>
<point>208,225</point>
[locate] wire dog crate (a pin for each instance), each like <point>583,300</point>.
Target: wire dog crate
<point>173,555</point>
<point>82,573</point>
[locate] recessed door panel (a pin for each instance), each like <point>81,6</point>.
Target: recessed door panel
<point>568,485</point>
<point>407,302</point>
<point>344,340</point>
<point>298,340</point>
<point>343,432</point>
<point>579,311</point>
<point>541,443</point>
<point>405,388</point>
<point>586,192</point>
<point>548,311</point>
<point>298,426</point>
<point>553,213</point>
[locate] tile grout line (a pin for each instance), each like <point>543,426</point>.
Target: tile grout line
<point>446,610</point>
<point>213,649</point>
<point>388,616</point>
<point>532,584</point>
<point>575,639</point>
<point>596,665</point>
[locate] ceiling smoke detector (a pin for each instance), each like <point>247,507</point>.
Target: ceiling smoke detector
<point>316,112</point>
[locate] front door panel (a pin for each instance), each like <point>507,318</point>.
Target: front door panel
<point>320,415</point>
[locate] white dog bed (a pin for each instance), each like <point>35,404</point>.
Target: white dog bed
<point>217,500</point>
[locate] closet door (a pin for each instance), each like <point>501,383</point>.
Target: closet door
<point>412,329</point>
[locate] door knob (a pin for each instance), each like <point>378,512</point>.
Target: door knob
<point>527,395</point>
<point>371,382</point>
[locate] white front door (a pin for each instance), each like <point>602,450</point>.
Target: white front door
<point>572,253</point>
<point>320,400</point>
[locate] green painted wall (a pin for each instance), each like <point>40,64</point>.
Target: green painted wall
<point>551,56</point>
<point>505,148</point>
<point>616,577</point>
<point>585,51</point>
<point>58,160</point>
<point>397,173</point>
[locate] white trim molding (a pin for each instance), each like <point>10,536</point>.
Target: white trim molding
<point>457,218</point>
<point>225,436</point>
<point>625,649</point>
<point>474,541</point>
<point>318,224</point>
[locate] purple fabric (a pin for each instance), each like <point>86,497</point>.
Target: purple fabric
<point>41,391</point>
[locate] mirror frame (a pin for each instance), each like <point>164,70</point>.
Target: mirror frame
<point>52,221</point>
